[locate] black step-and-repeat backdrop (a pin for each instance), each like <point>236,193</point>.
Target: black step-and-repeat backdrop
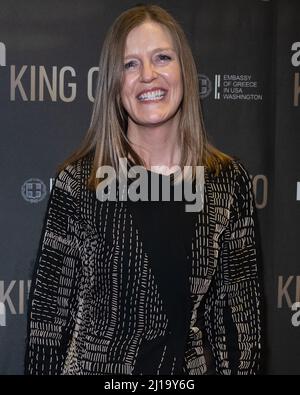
<point>248,58</point>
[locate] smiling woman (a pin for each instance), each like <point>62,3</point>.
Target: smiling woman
<point>152,91</point>
<point>144,287</point>
<point>148,89</point>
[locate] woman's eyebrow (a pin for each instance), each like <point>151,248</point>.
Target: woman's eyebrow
<point>154,50</point>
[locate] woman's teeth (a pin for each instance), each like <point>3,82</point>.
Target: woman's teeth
<point>155,95</point>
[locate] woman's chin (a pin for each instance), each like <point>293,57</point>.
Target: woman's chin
<point>152,120</point>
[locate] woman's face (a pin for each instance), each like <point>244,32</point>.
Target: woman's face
<point>152,86</point>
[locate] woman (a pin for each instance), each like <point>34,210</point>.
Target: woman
<point>124,287</point>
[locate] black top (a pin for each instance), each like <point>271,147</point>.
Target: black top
<point>166,231</point>
<point>98,296</point>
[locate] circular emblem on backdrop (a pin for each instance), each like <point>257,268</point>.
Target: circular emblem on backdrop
<point>33,190</point>
<point>205,85</point>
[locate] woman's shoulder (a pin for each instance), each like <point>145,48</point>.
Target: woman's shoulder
<point>231,174</point>
<point>72,174</point>
<point>239,170</point>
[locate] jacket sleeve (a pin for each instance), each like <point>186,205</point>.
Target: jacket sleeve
<point>232,308</point>
<point>55,280</point>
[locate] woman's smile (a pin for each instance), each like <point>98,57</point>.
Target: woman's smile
<point>152,88</point>
<point>152,95</point>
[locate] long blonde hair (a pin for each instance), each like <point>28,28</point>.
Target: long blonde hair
<point>107,132</point>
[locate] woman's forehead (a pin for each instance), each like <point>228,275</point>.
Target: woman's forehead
<point>148,36</point>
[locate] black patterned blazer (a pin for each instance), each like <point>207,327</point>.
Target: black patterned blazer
<point>95,299</point>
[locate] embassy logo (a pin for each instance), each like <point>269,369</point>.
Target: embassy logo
<point>34,190</point>
<point>2,54</point>
<point>237,87</point>
<point>230,87</point>
<point>205,86</point>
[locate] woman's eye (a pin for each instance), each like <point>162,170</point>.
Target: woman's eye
<point>129,65</point>
<point>164,57</point>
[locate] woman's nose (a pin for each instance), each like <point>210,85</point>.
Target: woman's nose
<point>148,72</point>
